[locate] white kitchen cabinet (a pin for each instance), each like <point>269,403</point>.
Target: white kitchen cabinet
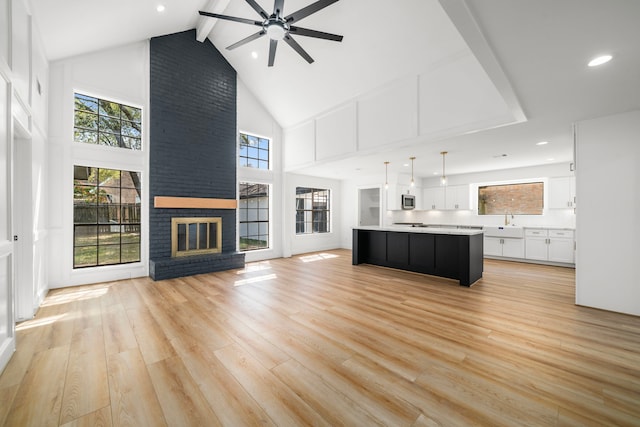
<point>535,245</point>
<point>561,246</point>
<point>549,245</point>
<point>433,198</point>
<point>394,196</point>
<point>504,247</point>
<point>457,197</point>
<point>562,192</point>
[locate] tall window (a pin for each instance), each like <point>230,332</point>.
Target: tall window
<point>254,152</point>
<point>312,210</point>
<point>102,122</point>
<point>106,217</point>
<point>254,216</point>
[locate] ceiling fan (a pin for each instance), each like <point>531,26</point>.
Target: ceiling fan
<point>279,27</point>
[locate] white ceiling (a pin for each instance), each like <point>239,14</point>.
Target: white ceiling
<point>541,46</point>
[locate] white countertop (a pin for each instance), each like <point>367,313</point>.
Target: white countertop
<point>427,230</point>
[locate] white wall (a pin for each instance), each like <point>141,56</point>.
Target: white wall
<point>254,119</point>
<point>608,226</point>
<point>297,244</point>
<point>23,148</point>
<point>122,75</point>
<point>453,97</point>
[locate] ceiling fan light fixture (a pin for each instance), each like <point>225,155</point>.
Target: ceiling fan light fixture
<point>276,31</point>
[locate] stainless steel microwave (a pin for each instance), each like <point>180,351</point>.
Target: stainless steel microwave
<point>408,201</point>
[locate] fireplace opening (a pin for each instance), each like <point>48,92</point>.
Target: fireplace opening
<point>196,236</point>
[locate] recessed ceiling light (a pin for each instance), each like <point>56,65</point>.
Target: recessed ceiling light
<point>600,60</point>
<point>436,173</point>
<point>406,165</point>
<point>254,54</point>
<point>160,8</point>
<point>551,159</point>
<point>542,143</point>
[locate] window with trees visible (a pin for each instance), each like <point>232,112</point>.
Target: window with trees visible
<point>106,217</point>
<point>102,122</point>
<point>312,210</point>
<point>253,212</point>
<point>254,152</point>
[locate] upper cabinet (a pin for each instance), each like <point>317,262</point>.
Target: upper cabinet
<point>562,192</point>
<point>394,196</point>
<point>433,198</point>
<point>457,197</point>
<point>453,197</point>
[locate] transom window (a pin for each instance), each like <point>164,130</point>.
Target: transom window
<point>102,122</point>
<point>106,217</point>
<point>254,152</point>
<point>312,210</point>
<point>253,211</point>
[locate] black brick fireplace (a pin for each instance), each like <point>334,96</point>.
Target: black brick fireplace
<point>192,148</point>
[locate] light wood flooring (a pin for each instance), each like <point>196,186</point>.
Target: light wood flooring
<point>313,340</point>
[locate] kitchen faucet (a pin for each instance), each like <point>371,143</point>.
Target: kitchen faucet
<point>506,219</point>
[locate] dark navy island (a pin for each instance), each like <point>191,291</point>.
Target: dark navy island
<point>453,253</point>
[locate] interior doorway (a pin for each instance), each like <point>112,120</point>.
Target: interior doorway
<point>7,330</point>
<point>369,206</point>
<point>22,215</point>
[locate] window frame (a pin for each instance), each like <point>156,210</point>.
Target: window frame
<point>100,118</point>
<point>258,221</point>
<point>325,213</point>
<point>258,150</point>
<point>98,224</point>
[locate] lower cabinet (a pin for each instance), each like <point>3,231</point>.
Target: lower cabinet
<point>510,247</point>
<point>455,256</point>
<point>550,245</point>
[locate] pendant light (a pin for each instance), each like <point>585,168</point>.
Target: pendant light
<point>386,175</point>
<point>413,183</point>
<point>443,180</point>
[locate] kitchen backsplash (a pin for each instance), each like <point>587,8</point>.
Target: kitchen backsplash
<point>564,218</point>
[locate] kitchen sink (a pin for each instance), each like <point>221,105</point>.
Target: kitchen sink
<point>504,231</point>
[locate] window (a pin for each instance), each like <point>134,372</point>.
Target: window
<point>254,152</point>
<point>514,199</point>
<point>312,210</point>
<point>254,216</point>
<point>106,217</point>
<point>101,122</point>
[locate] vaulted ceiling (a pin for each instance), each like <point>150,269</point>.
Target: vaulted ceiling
<point>535,53</point>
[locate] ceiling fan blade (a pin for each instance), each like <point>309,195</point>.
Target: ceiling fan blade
<point>273,44</point>
<point>294,44</point>
<point>306,11</point>
<point>231,18</point>
<point>258,9</point>
<point>246,40</point>
<point>278,5</point>
<point>313,33</point>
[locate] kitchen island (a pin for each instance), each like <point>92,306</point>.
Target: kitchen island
<point>445,252</point>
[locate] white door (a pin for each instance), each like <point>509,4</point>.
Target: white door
<point>369,206</point>
<point>7,337</point>
<point>22,225</point>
